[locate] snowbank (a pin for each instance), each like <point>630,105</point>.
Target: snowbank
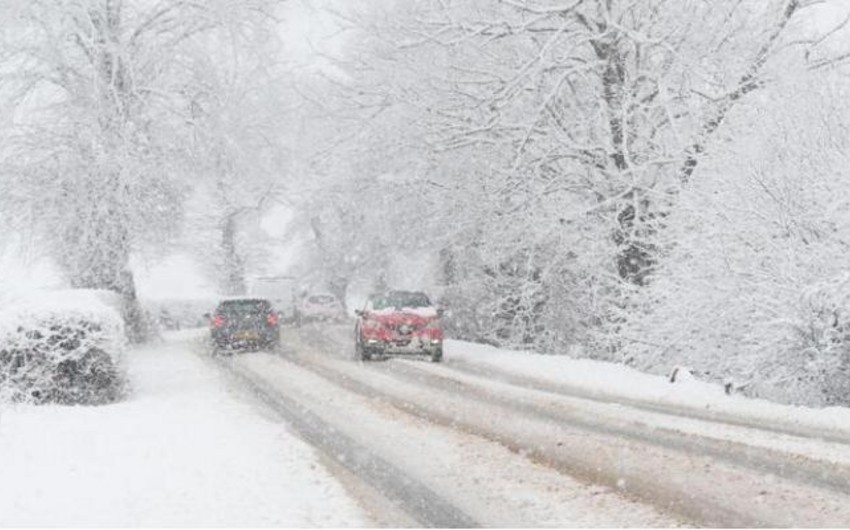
<point>616,382</point>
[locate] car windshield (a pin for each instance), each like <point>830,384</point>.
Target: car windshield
<point>400,299</point>
<point>242,307</point>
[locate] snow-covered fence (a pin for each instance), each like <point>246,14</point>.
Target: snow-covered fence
<point>62,347</point>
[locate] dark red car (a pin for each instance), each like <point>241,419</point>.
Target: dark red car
<point>244,323</point>
<point>399,322</point>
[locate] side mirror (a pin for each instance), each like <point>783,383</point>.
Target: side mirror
<point>441,312</point>
<point>359,312</point>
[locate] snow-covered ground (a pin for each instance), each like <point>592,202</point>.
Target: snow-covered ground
<point>186,448</point>
<point>183,450</point>
<point>616,381</point>
<point>713,472</point>
<point>492,484</point>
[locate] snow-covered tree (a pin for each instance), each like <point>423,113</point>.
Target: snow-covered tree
<point>755,290</point>
<point>554,140</point>
<point>91,161</point>
<point>101,96</point>
<point>242,116</point>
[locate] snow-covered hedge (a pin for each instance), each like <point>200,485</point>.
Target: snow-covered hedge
<point>62,347</point>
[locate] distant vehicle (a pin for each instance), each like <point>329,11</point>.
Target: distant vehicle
<point>245,323</point>
<point>320,306</point>
<point>279,290</point>
<point>401,323</point>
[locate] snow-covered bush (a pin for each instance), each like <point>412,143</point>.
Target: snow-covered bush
<point>754,288</point>
<point>62,347</point>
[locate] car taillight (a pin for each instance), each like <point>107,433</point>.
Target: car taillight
<point>273,319</point>
<point>218,321</point>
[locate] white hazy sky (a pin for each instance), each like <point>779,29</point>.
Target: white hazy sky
<point>310,30</point>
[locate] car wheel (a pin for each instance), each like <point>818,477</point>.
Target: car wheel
<point>437,355</point>
<point>361,353</point>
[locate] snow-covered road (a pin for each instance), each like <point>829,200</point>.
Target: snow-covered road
<point>705,471</point>
<point>487,483</point>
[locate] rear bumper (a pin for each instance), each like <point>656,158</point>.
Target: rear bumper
<point>225,339</point>
<point>412,346</point>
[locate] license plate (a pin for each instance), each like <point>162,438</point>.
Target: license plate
<point>247,336</point>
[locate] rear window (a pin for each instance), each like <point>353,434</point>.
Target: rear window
<point>244,306</point>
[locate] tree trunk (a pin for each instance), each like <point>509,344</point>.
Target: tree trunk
<point>98,257</point>
<point>233,277</point>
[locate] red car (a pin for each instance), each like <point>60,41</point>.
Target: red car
<point>399,322</point>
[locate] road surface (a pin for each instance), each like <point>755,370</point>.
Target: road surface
<point>454,444</point>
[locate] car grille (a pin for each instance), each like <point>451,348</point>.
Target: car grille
<point>407,329</point>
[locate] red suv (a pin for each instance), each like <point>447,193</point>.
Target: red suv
<point>399,322</point>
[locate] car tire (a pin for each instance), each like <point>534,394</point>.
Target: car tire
<point>437,355</point>
<point>361,353</point>
<point>272,344</point>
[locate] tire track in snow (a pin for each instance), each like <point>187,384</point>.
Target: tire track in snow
<point>710,509</point>
<point>789,465</point>
<point>419,502</point>
<point>777,427</point>
<point>798,468</point>
<point>336,339</point>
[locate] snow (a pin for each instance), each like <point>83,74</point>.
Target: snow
<point>187,449</point>
<point>40,308</point>
<point>177,276</point>
<point>93,302</point>
<point>21,274</point>
<point>424,312</point>
<point>616,381</point>
<point>182,450</point>
<point>492,484</point>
